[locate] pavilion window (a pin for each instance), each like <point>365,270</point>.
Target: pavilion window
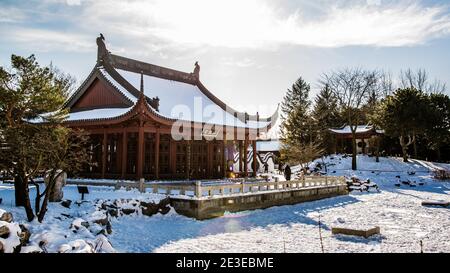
<point>95,148</point>
<point>217,157</point>
<point>164,154</point>
<point>132,153</point>
<point>149,154</point>
<point>181,158</point>
<point>112,156</point>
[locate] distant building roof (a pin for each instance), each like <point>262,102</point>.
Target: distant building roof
<point>268,145</point>
<point>360,129</point>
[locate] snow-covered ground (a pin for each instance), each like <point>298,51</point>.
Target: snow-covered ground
<point>404,222</point>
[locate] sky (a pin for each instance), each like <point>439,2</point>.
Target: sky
<point>250,51</point>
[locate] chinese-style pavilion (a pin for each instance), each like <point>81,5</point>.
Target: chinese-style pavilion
<point>363,134</point>
<point>147,121</point>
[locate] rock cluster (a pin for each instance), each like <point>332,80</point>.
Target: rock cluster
<point>123,207</point>
<point>12,235</point>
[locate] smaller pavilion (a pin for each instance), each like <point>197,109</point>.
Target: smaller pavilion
<point>343,137</point>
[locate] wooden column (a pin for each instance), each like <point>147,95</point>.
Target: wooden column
<point>173,157</point>
<point>104,152</point>
<point>210,159</point>
<point>157,141</point>
<point>255,159</point>
<point>140,153</point>
<point>188,159</point>
<point>124,153</point>
<point>240,156</point>
<point>224,160</point>
<point>245,156</point>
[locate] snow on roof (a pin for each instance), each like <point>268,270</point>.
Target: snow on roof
<point>359,130</point>
<point>268,146</point>
<point>98,114</point>
<point>185,101</point>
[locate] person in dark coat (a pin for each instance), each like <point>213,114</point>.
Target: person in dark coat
<point>287,172</point>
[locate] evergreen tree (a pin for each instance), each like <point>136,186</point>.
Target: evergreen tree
<point>403,115</point>
<point>326,115</point>
<point>438,122</point>
<point>33,139</point>
<point>296,124</point>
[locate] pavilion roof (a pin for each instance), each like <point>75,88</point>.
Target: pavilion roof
<point>179,95</point>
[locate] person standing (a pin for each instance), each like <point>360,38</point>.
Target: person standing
<point>287,172</point>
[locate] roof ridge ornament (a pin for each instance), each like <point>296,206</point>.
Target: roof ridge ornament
<point>102,51</point>
<point>197,70</point>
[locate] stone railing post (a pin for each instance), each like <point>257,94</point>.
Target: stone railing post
<point>242,187</point>
<point>141,185</point>
<point>198,189</point>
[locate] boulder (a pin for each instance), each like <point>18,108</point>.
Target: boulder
<point>56,194</point>
<point>108,228</point>
<point>102,221</point>
<point>113,212</point>
<point>4,232</point>
<point>164,210</point>
<point>149,209</point>
<point>164,202</point>
<point>66,203</point>
<point>6,217</point>
<point>128,211</point>
<point>24,236</point>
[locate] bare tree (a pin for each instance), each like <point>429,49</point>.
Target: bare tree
<point>298,153</point>
<point>420,80</point>
<point>352,88</point>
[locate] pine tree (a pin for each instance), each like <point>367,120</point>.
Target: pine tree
<point>296,121</point>
<point>326,115</point>
<point>404,115</point>
<point>30,94</point>
<point>438,122</point>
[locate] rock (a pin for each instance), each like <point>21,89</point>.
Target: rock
<point>102,221</point>
<point>113,212</point>
<point>149,209</point>
<point>66,203</point>
<point>108,228</point>
<point>164,210</point>
<point>56,194</point>
<point>4,232</point>
<point>1,200</point>
<point>164,203</point>
<point>6,217</point>
<point>24,236</point>
<point>1,248</point>
<point>78,223</point>
<point>128,211</point>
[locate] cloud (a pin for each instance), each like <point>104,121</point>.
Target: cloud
<point>261,24</point>
<point>164,26</point>
<point>242,63</point>
<point>49,40</point>
<point>11,15</point>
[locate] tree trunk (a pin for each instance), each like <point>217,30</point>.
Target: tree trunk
<point>404,148</point>
<point>20,191</point>
<point>415,149</point>
<point>48,190</point>
<point>438,153</point>
<point>377,153</point>
<point>24,196</point>
<point>405,153</point>
<point>354,167</point>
